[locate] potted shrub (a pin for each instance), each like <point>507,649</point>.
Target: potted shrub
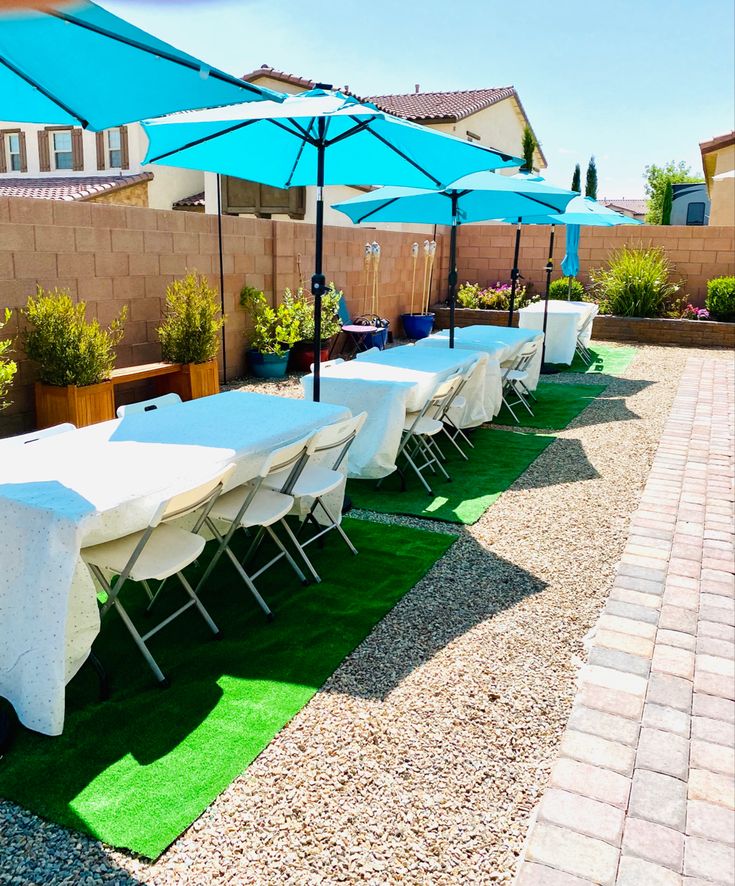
<point>75,357</point>
<point>189,335</point>
<point>302,352</point>
<point>7,366</point>
<point>275,331</point>
<point>720,301</point>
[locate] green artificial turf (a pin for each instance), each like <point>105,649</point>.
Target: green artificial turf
<point>498,459</point>
<point>138,769</point>
<point>556,405</point>
<point>606,360</point>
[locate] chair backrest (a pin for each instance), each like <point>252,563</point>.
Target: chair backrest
<point>199,496</point>
<point>337,438</point>
<point>327,363</point>
<point>362,354</point>
<point>33,436</point>
<point>148,405</point>
<point>342,311</point>
<point>434,406</point>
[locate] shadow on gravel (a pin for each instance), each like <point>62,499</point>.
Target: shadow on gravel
<point>611,405</point>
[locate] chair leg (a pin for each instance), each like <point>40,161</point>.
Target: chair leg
<point>140,643</point>
<point>282,548</point>
<point>335,525</point>
<point>198,603</point>
<point>299,547</point>
<point>249,582</point>
<point>510,409</point>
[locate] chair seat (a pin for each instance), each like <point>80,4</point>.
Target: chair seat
<point>266,508</point>
<point>426,426</point>
<point>168,550</point>
<point>357,329</point>
<point>517,375</point>
<point>314,481</point>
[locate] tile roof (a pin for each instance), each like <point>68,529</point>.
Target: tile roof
<point>719,141</point>
<point>638,205</point>
<point>194,200</point>
<point>449,106</point>
<point>69,187</point>
<point>283,76</point>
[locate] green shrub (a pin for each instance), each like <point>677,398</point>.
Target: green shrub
<point>7,366</point>
<point>275,330</point>
<point>189,332</point>
<point>69,349</point>
<point>560,289</point>
<point>303,306</point>
<point>720,301</point>
<point>636,283</point>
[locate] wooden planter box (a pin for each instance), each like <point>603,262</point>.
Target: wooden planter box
<point>81,406</point>
<point>645,330</point>
<point>194,380</point>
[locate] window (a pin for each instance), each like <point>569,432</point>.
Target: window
<point>14,157</point>
<point>114,149</point>
<point>695,214</point>
<point>63,154</point>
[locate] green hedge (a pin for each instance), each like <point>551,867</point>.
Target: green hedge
<point>720,300</point>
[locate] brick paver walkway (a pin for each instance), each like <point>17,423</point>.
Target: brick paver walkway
<point>643,792</point>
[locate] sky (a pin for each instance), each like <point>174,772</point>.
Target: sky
<point>631,82</point>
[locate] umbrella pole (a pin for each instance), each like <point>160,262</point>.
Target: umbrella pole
<point>514,274</point>
<point>318,280</point>
<point>221,274</point>
<point>452,269</point>
<point>547,368</point>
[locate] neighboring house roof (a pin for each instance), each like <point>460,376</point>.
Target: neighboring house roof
<point>69,188</point>
<point>421,107</point>
<point>638,206</point>
<point>719,141</point>
<point>194,200</point>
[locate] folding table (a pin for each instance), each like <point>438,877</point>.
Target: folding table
<point>564,322</point>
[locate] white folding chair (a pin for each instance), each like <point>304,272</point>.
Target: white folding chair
<point>514,378</point>
<point>327,363</point>
<point>450,428</point>
<point>255,506</point>
<point>580,348</point>
<point>157,553</point>
<point>33,436</point>
<point>418,447</point>
<point>319,476</point>
<point>152,405</point>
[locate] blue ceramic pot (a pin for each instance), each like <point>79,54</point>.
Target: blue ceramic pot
<point>267,365</point>
<point>377,339</point>
<point>417,325</point>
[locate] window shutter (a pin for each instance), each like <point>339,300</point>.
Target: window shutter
<point>23,152</point>
<point>125,162</point>
<point>3,160</point>
<point>77,150</point>
<point>100,144</point>
<point>44,156</point>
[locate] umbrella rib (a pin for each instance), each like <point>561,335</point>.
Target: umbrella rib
<point>201,141</point>
<point>157,52</point>
<point>542,202</point>
<point>377,209</point>
<point>306,137</point>
<point>403,155</point>
<point>49,95</point>
<point>361,124</point>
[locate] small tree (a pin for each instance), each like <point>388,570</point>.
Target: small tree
<point>656,178</point>
<point>529,144</point>
<point>590,187</point>
<point>7,366</point>
<point>189,331</point>
<point>577,179</point>
<point>667,203</point>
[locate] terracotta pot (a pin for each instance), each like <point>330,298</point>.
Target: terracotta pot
<point>302,355</point>
<point>80,405</point>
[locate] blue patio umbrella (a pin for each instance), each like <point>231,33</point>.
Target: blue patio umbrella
<point>481,196</point>
<point>77,64</point>
<point>320,137</point>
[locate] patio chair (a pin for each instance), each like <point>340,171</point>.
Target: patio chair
<point>580,348</point>
<point>320,475</point>
<point>514,378</point>
<point>355,334</point>
<point>33,436</point>
<point>161,402</point>
<point>450,428</point>
<point>155,554</point>
<point>254,506</point>
<point>418,446</point>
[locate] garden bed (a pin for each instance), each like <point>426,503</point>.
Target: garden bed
<point>688,333</point>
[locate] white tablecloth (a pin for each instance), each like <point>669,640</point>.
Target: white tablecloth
<point>388,384</point>
<point>502,344</point>
<point>98,483</point>
<point>564,321</point>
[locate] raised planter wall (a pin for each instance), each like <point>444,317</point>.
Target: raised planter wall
<point>686,333</point>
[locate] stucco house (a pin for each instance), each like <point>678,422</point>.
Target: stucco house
<point>718,162</point>
<point>493,117</point>
<point>69,163</point>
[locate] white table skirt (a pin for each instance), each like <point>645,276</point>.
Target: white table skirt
<point>388,384</point>
<point>565,319</point>
<point>501,344</point>
<point>84,487</point>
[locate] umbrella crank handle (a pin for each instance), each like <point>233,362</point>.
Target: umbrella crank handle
<point>318,284</point>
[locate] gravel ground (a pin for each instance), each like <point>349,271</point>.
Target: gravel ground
<point>422,757</point>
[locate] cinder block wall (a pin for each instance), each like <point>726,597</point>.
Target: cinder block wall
<point>110,256</point>
<point>485,252</point>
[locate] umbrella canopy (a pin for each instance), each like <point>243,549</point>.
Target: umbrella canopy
<point>320,137</point>
<point>79,65</point>
<point>480,196</point>
<point>579,211</point>
<point>570,262</point>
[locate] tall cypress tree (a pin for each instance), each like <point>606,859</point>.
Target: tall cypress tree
<point>528,147</point>
<point>590,188</point>
<point>577,179</point>
<point>666,205</point>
